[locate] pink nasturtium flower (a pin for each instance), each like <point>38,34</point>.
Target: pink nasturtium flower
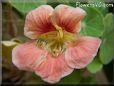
<point>56,48</point>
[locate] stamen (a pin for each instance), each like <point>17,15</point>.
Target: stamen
<point>55,42</point>
<point>59,29</point>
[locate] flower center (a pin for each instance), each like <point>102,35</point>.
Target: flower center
<point>60,31</point>
<point>55,41</point>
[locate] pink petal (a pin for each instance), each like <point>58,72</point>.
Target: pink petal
<point>68,17</point>
<point>24,56</point>
<point>38,21</point>
<point>82,52</point>
<point>53,69</point>
<point>29,57</point>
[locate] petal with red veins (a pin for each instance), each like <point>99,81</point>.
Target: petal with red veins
<point>38,21</point>
<point>82,52</point>
<point>53,69</point>
<point>68,17</point>
<point>24,56</point>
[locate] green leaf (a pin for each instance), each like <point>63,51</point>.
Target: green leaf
<point>53,3</point>
<point>63,1</point>
<point>89,80</point>
<point>99,6</point>
<point>108,24</point>
<point>92,24</point>
<point>95,1</point>
<point>24,6</point>
<point>73,78</point>
<point>107,49</point>
<point>95,65</point>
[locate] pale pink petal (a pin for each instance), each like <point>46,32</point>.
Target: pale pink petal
<point>82,52</point>
<point>53,69</point>
<point>38,21</point>
<point>68,17</point>
<point>24,56</point>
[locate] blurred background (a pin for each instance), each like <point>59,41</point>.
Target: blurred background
<point>100,71</point>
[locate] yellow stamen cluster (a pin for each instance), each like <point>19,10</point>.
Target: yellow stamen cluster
<point>55,41</point>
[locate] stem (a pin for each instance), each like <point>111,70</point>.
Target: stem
<point>10,28</point>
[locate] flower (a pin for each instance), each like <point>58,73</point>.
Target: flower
<point>56,48</point>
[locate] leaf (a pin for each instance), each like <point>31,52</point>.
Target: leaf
<point>95,65</point>
<point>108,24</point>
<point>89,80</point>
<point>7,47</point>
<point>53,3</point>
<point>34,80</point>
<point>73,78</point>
<point>24,6</point>
<point>9,43</point>
<point>99,6</point>
<point>92,25</point>
<point>107,49</point>
<point>63,1</point>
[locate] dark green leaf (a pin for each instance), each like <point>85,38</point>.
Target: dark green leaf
<point>25,6</point>
<point>73,78</point>
<point>107,49</point>
<point>89,80</point>
<point>53,3</point>
<point>34,80</point>
<point>63,1</point>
